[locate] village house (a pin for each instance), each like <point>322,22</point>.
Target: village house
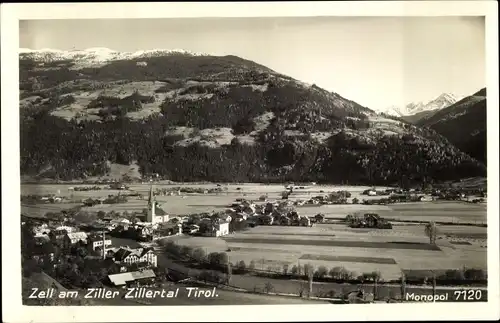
<point>217,229</point>
<point>266,220</point>
<point>304,221</point>
<point>73,238</point>
<point>319,217</point>
<point>370,192</point>
<point>130,256</point>
<point>225,216</point>
<point>193,228</point>
<point>41,239</point>
<point>285,220</point>
<point>97,241</point>
<point>169,229</point>
<point>66,228</point>
<point>425,198</point>
<point>240,216</point>
<point>42,229</point>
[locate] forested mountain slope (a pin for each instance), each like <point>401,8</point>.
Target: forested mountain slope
<point>197,117</point>
<point>463,124</point>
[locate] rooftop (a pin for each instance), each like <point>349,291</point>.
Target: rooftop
<point>123,253</point>
<point>123,278</point>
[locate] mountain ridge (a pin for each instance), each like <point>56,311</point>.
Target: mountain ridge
<point>413,108</point>
<point>106,51</point>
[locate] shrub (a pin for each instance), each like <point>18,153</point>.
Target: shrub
<point>268,287</point>
<point>295,270</point>
<point>367,276</point>
<point>285,269</point>
<point>335,272</point>
<point>376,276</point>
<point>172,248</point>
<point>199,255</point>
<point>454,274</point>
<point>186,251</point>
<point>214,258</point>
<point>308,268</point>
<point>251,266</point>
<point>204,276</point>
<point>241,266</point>
<point>321,272</point>
<point>475,274</point>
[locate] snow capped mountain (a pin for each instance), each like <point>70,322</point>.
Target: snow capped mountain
<point>438,103</point>
<point>96,54</point>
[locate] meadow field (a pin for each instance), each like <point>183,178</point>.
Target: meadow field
<point>361,250</point>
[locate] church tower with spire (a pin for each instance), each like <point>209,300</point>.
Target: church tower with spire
<point>151,206</point>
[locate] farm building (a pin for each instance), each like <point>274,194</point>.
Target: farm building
<point>129,256</point>
<point>143,277</point>
<point>370,192</point>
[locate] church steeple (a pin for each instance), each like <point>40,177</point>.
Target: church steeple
<point>151,206</point>
<point>151,197</point>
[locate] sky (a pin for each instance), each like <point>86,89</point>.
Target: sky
<point>375,61</point>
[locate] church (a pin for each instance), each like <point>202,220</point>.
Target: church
<point>155,214</point>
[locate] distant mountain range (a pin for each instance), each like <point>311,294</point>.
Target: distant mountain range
<point>412,110</point>
<point>94,56</point>
<point>463,124</point>
<point>196,117</point>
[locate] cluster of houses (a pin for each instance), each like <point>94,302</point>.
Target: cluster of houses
<point>99,243</point>
<point>416,195</point>
<point>96,237</point>
<point>51,198</point>
<point>269,213</point>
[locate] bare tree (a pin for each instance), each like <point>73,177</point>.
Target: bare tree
<point>431,232</point>
<point>376,275</point>
<point>403,285</point>
<point>433,283</point>
<point>310,275</point>
<point>229,272</point>
<point>268,287</point>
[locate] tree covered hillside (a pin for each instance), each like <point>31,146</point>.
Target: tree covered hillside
<point>191,118</point>
<point>463,124</point>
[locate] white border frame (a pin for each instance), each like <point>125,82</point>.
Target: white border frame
<point>11,278</point>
